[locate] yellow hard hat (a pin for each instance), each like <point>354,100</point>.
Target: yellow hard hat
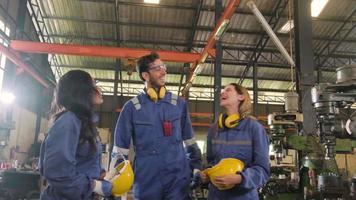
<point>122,182</point>
<point>226,166</point>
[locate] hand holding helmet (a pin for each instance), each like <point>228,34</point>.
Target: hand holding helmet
<point>123,180</point>
<point>120,176</point>
<point>119,184</point>
<point>224,174</point>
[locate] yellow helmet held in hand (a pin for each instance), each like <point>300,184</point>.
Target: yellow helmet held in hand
<point>226,166</point>
<point>122,182</point>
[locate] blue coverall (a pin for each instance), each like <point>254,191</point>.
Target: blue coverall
<point>247,142</point>
<point>161,166</point>
<point>68,165</point>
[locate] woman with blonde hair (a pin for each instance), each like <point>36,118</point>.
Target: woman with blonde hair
<point>237,135</point>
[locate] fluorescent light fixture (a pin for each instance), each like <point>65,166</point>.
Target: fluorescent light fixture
<point>7,97</point>
<point>317,6</point>
<point>222,28</point>
<point>198,69</point>
<point>289,25</point>
<point>152,1</point>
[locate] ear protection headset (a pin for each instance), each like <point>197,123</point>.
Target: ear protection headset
<point>155,95</point>
<point>228,121</point>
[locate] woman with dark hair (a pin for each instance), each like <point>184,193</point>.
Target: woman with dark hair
<point>70,158</point>
<point>237,135</point>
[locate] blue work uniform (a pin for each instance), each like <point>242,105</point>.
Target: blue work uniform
<point>247,142</point>
<point>68,165</point>
<point>161,166</point>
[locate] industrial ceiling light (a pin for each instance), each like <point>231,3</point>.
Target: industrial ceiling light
<point>152,1</point>
<point>7,97</point>
<point>221,30</point>
<point>289,25</point>
<point>317,6</point>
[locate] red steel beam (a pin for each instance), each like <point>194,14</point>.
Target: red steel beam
<point>100,51</point>
<point>16,59</point>
<point>228,12</point>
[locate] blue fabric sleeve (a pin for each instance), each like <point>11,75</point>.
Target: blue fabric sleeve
<point>194,156</point>
<point>187,130</point>
<point>187,133</point>
<point>124,127</point>
<point>256,174</point>
<point>209,151</point>
<point>59,160</point>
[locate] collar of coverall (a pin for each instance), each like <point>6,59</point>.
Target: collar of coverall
<point>144,98</point>
<point>243,122</point>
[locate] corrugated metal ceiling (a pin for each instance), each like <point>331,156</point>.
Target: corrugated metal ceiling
<point>168,26</point>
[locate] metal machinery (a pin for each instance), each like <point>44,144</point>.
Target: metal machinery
<point>284,159</point>
<point>336,119</point>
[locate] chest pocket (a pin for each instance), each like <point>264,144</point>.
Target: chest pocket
<point>143,131</point>
<point>174,117</point>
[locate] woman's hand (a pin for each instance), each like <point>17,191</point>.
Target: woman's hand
<point>232,179</point>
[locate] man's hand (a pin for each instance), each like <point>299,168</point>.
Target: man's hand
<point>204,177</point>
<point>110,174</point>
<point>232,179</point>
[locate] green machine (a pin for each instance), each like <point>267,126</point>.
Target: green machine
<point>304,166</point>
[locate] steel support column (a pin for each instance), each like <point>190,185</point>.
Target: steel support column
<point>118,71</point>
<point>217,67</point>
<point>304,62</point>
<point>20,19</point>
<point>255,90</point>
<point>186,66</point>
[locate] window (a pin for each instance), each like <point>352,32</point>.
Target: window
<point>3,41</point>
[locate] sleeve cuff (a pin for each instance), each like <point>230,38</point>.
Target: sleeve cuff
<point>242,178</point>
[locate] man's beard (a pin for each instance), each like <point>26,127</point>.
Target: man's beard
<point>157,83</point>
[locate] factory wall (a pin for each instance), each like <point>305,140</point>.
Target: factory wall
<point>22,136</point>
<point>106,115</point>
<point>31,98</point>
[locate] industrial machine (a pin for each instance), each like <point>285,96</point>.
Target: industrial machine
<point>283,158</point>
<point>336,119</point>
<point>306,163</point>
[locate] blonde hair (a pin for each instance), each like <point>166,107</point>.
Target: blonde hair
<point>245,107</point>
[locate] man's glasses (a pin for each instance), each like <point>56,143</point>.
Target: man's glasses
<point>158,67</point>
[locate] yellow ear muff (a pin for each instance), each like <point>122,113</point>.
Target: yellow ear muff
<point>154,96</point>
<point>221,120</point>
<point>162,92</point>
<point>230,121</point>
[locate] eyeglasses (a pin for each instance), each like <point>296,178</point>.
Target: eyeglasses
<point>158,67</point>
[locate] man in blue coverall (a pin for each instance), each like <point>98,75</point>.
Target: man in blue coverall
<point>159,126</point>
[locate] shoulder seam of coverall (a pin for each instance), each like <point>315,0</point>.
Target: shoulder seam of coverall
<point>136,102</point>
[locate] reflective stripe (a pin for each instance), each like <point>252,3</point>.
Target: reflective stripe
<point>118,150</point>
<point>136,103</point>
<point>189,142</point>
<point>236,142</point>
<point>174,99</point>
